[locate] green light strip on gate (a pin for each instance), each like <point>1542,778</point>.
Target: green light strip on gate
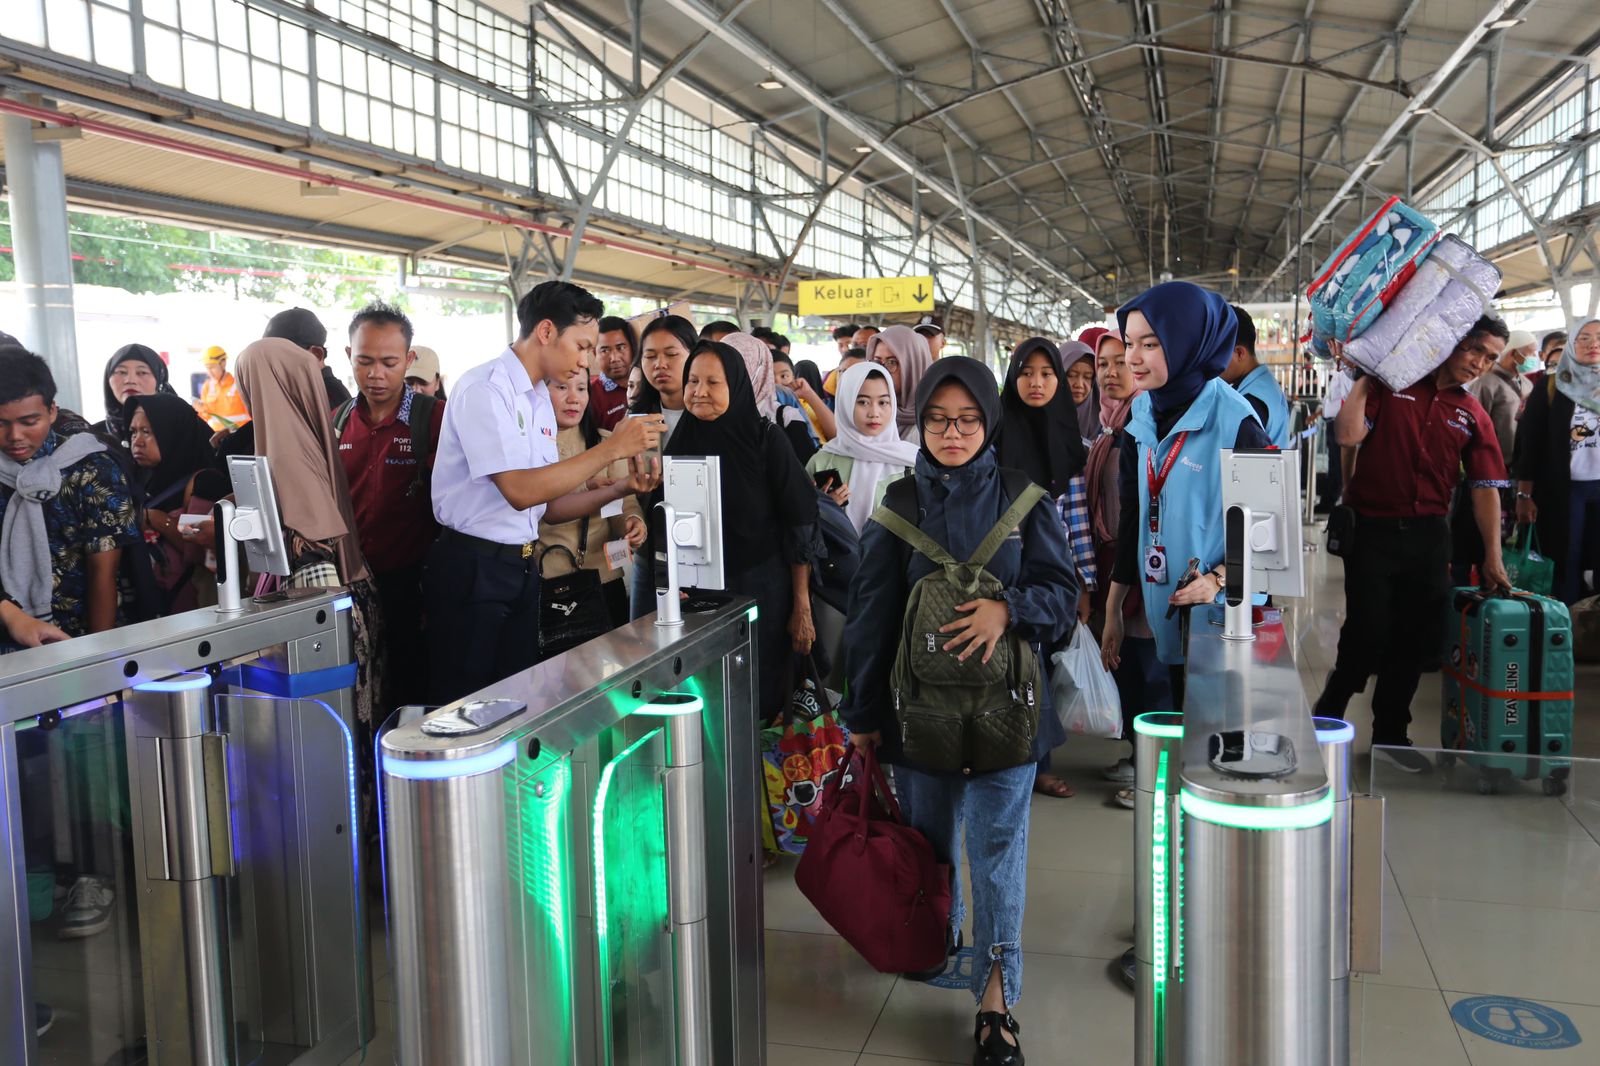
<point>1158,907</point>
<point>602,931</point>
<point>1235,816</point>
<point>1148,725</point>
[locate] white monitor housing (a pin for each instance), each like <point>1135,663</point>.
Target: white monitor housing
<point>691,510</point>
<point>1262,509</point>
<point>252,518</point>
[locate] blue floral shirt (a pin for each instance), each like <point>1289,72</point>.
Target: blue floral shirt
<point>92,513</point>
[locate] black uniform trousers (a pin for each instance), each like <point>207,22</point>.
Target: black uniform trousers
<point>1396,591</point>
<point>483,614</point>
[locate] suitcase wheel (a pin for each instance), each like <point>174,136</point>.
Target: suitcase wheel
<point>1445,761</point>
<point>1487,786</point>
<point>1555,786</point>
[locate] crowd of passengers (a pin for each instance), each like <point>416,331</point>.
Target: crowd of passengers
<point>444,517</point>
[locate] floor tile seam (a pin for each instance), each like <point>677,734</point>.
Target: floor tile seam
<point>1405,897</point>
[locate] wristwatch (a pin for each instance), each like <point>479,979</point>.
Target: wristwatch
<point>1524,496</point>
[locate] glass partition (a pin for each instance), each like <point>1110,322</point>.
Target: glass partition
<point>1491,913</point>
<point>78,853</point>
<point>299,974</point>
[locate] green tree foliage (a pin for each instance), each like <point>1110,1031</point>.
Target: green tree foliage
<point>150,257</point>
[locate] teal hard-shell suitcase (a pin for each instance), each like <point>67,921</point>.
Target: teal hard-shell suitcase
<point>1508,687</point>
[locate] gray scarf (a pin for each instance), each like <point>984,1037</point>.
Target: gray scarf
<point>25,569</point>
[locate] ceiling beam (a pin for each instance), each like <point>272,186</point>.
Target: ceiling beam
<point>1431,92</point>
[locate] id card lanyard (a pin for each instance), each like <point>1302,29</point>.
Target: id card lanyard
<point>1158,481</point>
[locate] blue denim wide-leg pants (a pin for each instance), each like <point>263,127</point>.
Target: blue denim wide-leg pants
<point>991,811</point>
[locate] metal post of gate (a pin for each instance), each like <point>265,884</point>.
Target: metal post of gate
<point>1334,738</point>
<point>448,887</point>
<point>1157,745</point>
<point>177,770</point>
<point>686,871</point>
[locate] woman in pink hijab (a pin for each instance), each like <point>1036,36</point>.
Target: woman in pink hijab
<point>764,380</point>
<point>905,354</point>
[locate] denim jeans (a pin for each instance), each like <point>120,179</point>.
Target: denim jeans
<point>991,811</point>
<point>1583,524</point>
<point>1143,683</point>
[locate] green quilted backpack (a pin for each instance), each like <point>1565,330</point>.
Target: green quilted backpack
<point>972,717</point>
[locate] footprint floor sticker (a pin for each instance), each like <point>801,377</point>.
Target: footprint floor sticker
<point>1520,1023</point>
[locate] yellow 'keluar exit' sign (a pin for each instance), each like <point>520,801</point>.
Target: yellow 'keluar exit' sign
<point>850,296</point>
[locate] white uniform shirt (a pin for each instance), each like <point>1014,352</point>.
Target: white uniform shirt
<point>497,419</point>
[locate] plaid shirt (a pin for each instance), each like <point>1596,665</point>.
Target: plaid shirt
<point>1073,506</point>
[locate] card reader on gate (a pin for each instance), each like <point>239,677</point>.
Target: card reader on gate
<point>1250,754</point>
<point>474,716</point>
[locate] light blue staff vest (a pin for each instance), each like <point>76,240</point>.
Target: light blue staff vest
<point>1263,386</point>
<point>1191,500</point>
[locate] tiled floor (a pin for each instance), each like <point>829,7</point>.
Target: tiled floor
<point>1484,895</point>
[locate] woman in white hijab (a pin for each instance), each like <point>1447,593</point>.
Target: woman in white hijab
<point>868,453</point>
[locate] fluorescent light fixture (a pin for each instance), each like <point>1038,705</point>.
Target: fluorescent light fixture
<point>1505,23</point>
<point>440,769</point>
<point>770,83</point>
<point>863,149</point>
<point>175,683</point>
<point>924,189</point>
<point>1373,163</point>
<point>1235,816</point>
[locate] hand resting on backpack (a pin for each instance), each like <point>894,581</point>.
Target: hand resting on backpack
<point>983,627</point>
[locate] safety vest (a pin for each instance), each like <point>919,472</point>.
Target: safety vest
<point>220,403</point>
<point>1263,386</point>
<point>1191,500</point>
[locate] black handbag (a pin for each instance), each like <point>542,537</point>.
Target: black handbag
<point>571,607</point>
<point>1342,532</point>
<point>834,573</point>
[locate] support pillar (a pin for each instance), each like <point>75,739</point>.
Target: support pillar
<point>37,193</point>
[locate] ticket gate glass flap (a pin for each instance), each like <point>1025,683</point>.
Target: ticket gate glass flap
<point>82,919</point>
<point>540,796</point>
<point>297,920</point>
<point>1492,863</point>
<point>632,940</point>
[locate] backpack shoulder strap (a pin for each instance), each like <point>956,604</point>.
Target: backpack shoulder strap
<point>422,433</point>
<point>1021,504</point>
<point>341,417</point>
<point>898,515</point>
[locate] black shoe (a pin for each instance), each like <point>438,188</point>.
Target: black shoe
<point>1128,968</point>
<point>993,1050</point>
<point>950,949</point>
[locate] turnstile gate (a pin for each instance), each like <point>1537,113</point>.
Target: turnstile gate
<point>182,881</point>
<point>1243,862</point>
<point>572,859</point>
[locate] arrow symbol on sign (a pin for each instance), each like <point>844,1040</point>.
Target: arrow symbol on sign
<point>920,296</point>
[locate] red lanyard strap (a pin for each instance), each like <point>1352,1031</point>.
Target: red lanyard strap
<point>1156,481</point>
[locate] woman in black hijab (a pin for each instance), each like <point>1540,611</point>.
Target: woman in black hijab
<point>134,370</point>
<point>769,509</point>
<point>178,475</point>
<point>1044,439</point>
<point>1041,436</point>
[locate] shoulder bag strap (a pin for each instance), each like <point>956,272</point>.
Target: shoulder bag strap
<point>341,417</point>
<point>422,435</point>
<point>890,519</point>
<point>583,541</point>
<point>1009,521</point>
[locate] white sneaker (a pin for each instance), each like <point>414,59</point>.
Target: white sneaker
<point>1122,773</point>
<point>88,909</point>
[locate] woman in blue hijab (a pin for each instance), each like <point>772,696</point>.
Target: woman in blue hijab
<point>1180,338</point>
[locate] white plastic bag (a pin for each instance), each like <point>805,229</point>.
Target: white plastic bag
<point>1084,694</point>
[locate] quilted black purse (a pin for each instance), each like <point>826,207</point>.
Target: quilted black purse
<point>572,609</point>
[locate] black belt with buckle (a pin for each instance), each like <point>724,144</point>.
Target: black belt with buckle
<point>521,554</point>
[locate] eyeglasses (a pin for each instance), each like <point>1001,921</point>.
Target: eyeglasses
<point>938,425</point>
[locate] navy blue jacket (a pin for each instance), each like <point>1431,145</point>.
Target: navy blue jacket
<point>957,508</point>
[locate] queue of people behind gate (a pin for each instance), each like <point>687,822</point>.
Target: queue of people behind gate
<point>482,532</point>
